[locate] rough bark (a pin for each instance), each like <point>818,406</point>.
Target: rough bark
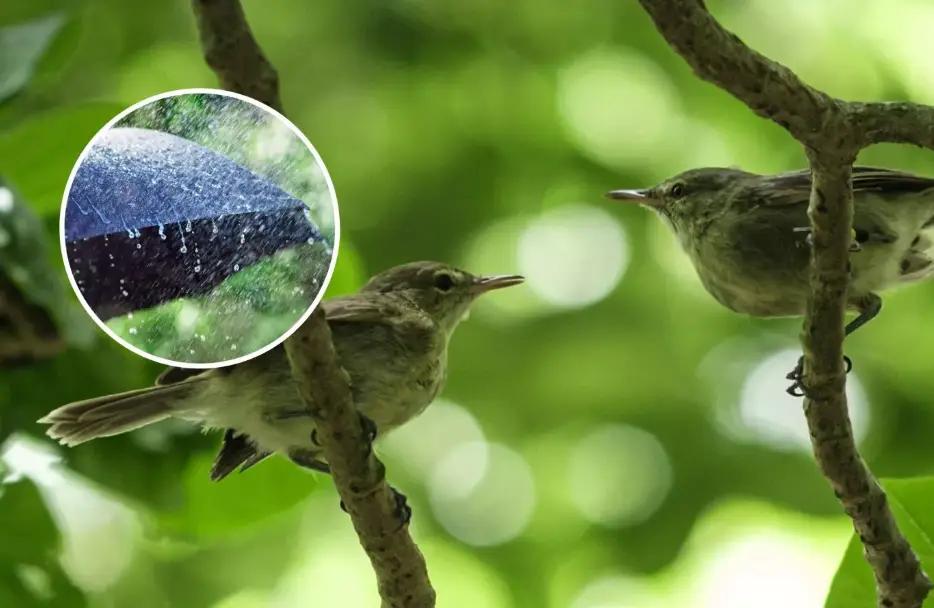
<point>401,572</point>
<point>832,132</point>
<point>359,476</point>
<point>233,53</point>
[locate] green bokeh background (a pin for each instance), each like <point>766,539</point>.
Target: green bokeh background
<point>609,435</point>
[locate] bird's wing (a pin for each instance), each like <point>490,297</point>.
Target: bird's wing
<point>887,181</point>
<point>372,309</point>
<point>794,188</point>
<point>171,375</point>
<point>174,375</point>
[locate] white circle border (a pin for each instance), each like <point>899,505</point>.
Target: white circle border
<point>334,209</point>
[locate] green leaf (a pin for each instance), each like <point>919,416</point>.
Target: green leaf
<point>240,501</point>
<point>37,155</point>
<point>24,258</point>
<point>30,574</point>
<point>29,534</point>
<point>911,499</point>
<point>21,48</point>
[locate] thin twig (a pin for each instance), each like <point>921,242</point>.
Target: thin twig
<point>359,476</point>
<point>832,132</point>
<point>401,573</point>
<point>233,53</point>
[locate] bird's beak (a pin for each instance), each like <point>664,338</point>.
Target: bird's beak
<point>485,284</point>
<point>641,197</point>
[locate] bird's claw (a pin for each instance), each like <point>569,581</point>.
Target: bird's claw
<point>797,377</point>
<point>369,431</point>
<point>402,511</point>
<point>797,388</point>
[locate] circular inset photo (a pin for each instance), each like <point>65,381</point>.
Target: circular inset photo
<point>199,228</point>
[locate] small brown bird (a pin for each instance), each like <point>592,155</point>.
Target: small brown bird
<point>391,337</point>
<point>747,236</point>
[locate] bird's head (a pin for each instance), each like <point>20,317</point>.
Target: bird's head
<point>688,200</point>
<point>442,291</point>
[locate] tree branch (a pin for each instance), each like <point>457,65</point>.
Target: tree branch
<point>895,122</point>
<point>716,55</point>
<point>832,132</point>
<point>401,573</point>
<point>233,53</point>
<point>359,476</point>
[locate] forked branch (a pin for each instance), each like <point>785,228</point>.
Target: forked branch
<point>832,132</point>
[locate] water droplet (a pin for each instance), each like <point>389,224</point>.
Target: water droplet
<point>236,267</point>
<point>233,347</point>
<point>121,281</point>
<point>184,249</point>
<point>129,315</point>
<point>311,240</point>
<point>162,232</point>
<point>198,268</point>
<point>242,238</point>
<point>139,245</point>
<point>191,351</point>
<point>110,255</point>
<point>132,331</point>
<point>188,226</point>
<point>124,292</point>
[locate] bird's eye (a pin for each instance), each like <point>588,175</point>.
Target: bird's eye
<point>677,190</point>
<point>444,281</point>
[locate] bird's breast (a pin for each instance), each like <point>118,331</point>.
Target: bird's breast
<point>395,380</point>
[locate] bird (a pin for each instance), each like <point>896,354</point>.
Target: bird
<point>391,337</point>
<point>747,235</point>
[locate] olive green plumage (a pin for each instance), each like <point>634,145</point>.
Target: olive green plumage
<point>747,234</point>
<point>391,337</point>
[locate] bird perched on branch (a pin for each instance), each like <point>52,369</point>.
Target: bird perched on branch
<point>391,337</point>
<point>748,236</point>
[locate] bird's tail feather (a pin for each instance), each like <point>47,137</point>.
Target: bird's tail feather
<point>114,414</point>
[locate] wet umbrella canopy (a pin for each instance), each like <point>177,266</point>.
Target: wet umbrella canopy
<point>152,217</point>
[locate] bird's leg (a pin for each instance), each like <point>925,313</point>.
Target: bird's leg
<point>307,459</point>
<point>868,307</point>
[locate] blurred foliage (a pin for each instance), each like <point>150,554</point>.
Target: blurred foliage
<point>484,133</point>
<point>37,316</point>
<point>910,500</point>
<point>30,574</point>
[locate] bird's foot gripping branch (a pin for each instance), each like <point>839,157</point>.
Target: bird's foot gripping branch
<point>374,506</point>
<point>832,132</point>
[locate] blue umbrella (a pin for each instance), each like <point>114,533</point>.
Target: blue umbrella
<point>152,217</point>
